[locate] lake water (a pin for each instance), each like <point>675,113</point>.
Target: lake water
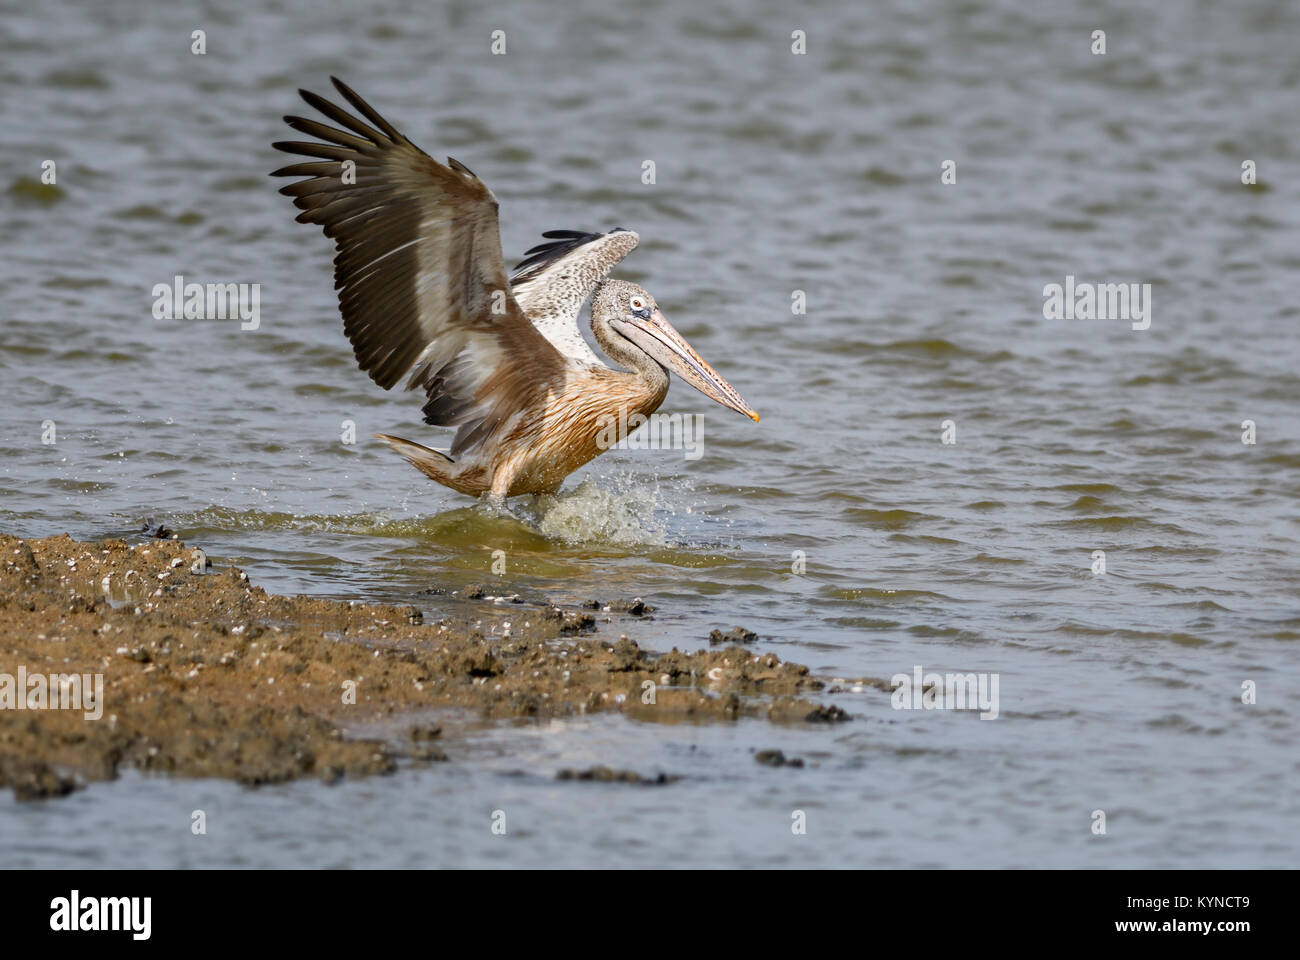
<point>1120,692</point>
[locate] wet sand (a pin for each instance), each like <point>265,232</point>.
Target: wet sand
<point>207,675</point>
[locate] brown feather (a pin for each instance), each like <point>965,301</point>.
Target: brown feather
<point>417,268</point>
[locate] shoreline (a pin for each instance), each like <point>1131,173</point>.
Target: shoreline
<point>205,674</point>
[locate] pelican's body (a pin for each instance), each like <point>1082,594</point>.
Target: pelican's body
<point>548,440</point>
<point>425,298</point>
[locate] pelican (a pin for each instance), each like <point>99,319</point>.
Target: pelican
<point>425,298</point>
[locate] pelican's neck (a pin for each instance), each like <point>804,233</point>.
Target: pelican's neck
<point>625,352</point>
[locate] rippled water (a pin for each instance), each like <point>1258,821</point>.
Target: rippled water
<point>775,173</point>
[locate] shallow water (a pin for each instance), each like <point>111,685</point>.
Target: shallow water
<point>775,173</point>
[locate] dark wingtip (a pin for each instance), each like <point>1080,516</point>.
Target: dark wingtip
<point>538,258</point>
<point>570,235</point>
<point>460,167</point>
<point>348,93</point>
<point>309,98</point>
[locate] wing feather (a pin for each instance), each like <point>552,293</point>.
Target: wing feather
<point>421,281</point>
<point>555,279</point>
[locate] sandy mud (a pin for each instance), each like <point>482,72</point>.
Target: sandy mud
<point>205,674</point>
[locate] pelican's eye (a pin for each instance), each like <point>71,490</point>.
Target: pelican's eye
<point>638,306</point>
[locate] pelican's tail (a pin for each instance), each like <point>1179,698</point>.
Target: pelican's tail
<point>434,464</point>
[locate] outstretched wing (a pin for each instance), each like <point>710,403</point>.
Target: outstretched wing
<point>555,279</point>
<point>420,277</point>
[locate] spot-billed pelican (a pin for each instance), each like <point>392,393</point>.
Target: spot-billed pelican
<point>425,297</point>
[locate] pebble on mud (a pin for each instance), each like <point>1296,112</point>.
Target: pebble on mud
<point>608,775</point>
<point>734,635</point>
<point>775,758</point>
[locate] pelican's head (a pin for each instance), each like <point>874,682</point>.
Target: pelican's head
<point>627,313</point>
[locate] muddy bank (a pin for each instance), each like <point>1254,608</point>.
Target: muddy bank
<point>205,674</point>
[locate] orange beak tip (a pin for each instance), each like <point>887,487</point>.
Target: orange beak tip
<point>752,415</point>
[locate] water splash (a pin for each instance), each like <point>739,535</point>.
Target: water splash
<point>616,510</point>
<point>622,509</point>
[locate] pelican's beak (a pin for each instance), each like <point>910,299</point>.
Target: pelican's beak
<point>657,337</point>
